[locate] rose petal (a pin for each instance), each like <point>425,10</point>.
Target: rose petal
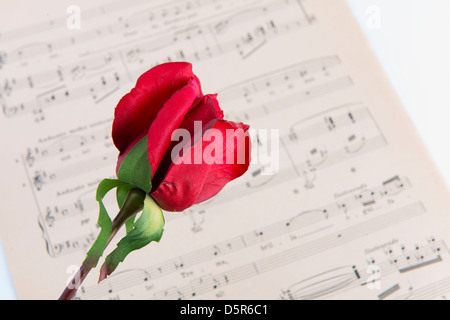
<point>136,110</point>
<point>168,119</point>
<point>188,184</point>
<point>206,109</point>
<point>239,149</point>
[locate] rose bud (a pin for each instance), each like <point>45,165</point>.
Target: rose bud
<point>167,104</point>
<point>176,150</point>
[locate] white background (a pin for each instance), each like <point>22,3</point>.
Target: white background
<point>412,40</point>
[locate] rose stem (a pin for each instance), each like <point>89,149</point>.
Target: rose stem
<point>133,204</point>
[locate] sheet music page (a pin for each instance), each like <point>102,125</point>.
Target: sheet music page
<point>356,209</point>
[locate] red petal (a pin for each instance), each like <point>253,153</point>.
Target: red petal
<point>206,109</point>
<point>136,110</point>
<point>220,174</point>
<point>188,184</point>
<point>168,119</point>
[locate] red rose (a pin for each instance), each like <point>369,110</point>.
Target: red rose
<point>155,169</point>
<point>166,98</point>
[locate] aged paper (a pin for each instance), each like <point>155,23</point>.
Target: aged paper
<point>356,209</point>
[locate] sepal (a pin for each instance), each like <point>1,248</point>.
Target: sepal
<point>135,168</point>
<point>149,227</point>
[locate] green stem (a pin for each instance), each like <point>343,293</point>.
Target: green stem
<point>132,205</point>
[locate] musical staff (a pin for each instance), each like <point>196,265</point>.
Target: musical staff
<point>336,281</point>
<point>159,17</point>
<point>435,290</point>
<point>301,252</point>
<point>289,227</point>
<point>72,245</point>
<point>108,72</point>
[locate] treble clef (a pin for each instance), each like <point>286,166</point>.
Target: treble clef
<point>29,158</point>
<point>39,180</point>
<point>49,218</point>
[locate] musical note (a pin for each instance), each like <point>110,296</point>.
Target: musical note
<point>105,87</point>
<point>52,96</point>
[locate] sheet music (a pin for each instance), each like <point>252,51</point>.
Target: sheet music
<point>355,210</point>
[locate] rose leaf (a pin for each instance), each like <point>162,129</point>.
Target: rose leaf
<point>104,222</point>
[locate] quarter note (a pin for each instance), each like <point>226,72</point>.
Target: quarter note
<point>352,119</point>
<point>216,250</point>
<point>330,123</point>
<point>53,96</point>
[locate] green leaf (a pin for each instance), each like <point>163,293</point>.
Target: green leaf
<point>135,168</point>
<point>149,227</point>
<point>104,222</point>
